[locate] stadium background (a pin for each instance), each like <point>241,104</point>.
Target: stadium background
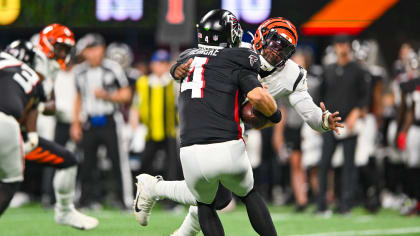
<point>396,25</point>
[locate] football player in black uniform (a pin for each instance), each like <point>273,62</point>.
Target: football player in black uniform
<point>19,84</point>
<point>36,149</point>
<point>212,149</point>
<point>408,141</point>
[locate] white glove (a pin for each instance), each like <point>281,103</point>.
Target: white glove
<point>31,143</point>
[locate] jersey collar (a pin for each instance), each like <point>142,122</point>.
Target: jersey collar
<point>209,47</point>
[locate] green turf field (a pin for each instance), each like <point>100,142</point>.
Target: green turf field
<point>33,220</point>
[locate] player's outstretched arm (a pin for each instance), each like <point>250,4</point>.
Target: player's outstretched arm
<point>318,118</point>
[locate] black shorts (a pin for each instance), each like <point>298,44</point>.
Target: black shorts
<point>292,138</point>
<point>51,154</point>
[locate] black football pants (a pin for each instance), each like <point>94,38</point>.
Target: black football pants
<point>347,174</point>
<point>93,137</point>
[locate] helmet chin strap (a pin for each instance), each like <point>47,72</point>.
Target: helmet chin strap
<point>265,65</point>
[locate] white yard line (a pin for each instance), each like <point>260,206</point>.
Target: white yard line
<point>396,231</point>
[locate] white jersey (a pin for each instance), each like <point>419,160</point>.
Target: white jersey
<point>290,83</point>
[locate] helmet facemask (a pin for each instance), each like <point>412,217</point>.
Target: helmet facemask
<point>63,53</point>
<point>276,49</point>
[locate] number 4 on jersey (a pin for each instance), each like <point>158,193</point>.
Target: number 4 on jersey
<point>195,80</point>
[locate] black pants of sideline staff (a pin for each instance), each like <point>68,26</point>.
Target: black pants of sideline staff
<point>91,181</point>
<point>347,175</point>
<point>172,166</point>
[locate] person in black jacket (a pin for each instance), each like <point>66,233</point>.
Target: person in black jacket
<point>344,88</point>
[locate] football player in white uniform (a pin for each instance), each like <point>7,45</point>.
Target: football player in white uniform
<point>275,41</point>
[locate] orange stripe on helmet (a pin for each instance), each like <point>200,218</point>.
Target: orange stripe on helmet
<point>52,34</point>
<point>284,27</point>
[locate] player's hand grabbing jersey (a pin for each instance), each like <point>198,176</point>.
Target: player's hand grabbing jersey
<point>18,85</point>
<point>211,95</point>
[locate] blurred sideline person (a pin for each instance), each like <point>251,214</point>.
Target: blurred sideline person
<point>345,88</point>
<point>283,78</point>
<point>407,139</point>
<point>292,142</point>
<point>64,95</point>
<point>101,86</point>
<point>406,68</point>
<point>123,55</point>
<point>368,55</point>
<point>157,102</point>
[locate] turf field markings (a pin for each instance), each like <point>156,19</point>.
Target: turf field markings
<point>363,219</point>
<point>395,231</point>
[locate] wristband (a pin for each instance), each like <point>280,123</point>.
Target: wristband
<point>172,70</point>
<point>325,124</point>
<point>32,142</point>
<point>276,117</point>
<point>41,107</point>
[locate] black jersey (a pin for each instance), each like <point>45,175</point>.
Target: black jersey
<point>211,95</point>
<point>18,84</point>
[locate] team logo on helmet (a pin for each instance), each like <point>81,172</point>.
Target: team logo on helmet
<point>236,30</point>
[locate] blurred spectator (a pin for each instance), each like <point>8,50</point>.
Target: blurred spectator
<point>292,139</point>
<point>101,85</point>
<point>157,99</point>
<point>402,63</point>
<point>345,89</point>
<point>408,141</point>
<point>367,53</point>
<point>396,184</point>
<point>64,93</point>
<point>143,67</point>
<point>293,130</point>
<point>123,55</point>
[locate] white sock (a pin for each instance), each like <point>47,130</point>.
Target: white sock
<point>64,185</point>
<point>191,225</point>
<point>176,191</point>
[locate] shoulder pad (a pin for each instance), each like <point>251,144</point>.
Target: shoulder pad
<point>245,45</point>
<point>185,55</point>
<point>245,57</point>
<point>296,73</point>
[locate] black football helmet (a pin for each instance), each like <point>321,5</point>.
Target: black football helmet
<point>219,28</point>
<point>23,51</point>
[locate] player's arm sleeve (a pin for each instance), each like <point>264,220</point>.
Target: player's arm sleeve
<point>304,105</point>
<point>248,80</point>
